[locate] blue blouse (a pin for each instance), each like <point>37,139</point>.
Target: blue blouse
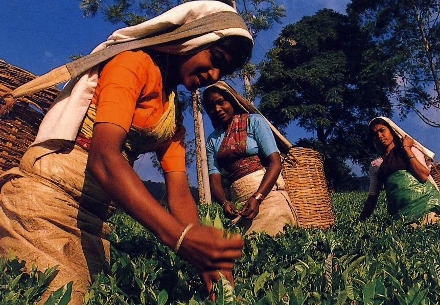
<point>260,139</point>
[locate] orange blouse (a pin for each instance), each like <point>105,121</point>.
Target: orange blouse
<point>130,94</point>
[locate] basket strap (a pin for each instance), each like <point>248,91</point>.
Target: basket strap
<point>285,143</point>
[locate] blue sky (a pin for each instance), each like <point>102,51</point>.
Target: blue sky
<point>39,37</point>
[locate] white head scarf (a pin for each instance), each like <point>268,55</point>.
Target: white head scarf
<point>173,18</point>
<point>401,133</point>
<point>64,118</point>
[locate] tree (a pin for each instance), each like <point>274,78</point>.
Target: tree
<point>331,79</point>
<point>410,32</point>
<point>259,14</point>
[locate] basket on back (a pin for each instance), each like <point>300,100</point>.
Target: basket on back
<point>303,173</point>
<point>435,173</point>
<point>19,118</point>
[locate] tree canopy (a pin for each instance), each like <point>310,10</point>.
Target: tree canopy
<point>409,31</point>
<point>330,78</point>
<point>259,14</point>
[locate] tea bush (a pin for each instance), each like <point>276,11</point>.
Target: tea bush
<point>379,261</point>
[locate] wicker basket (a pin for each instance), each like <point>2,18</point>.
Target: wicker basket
<point>303,172</point>
<point>19,118</point>
<point>435,173</point>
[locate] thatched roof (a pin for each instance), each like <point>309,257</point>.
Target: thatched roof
<point>19,118</point>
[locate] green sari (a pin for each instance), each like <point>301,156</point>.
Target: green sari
<point>409,198</point>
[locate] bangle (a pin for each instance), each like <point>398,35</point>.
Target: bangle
<point>409,158</point>
<point>407,146</point>
<point>224,202</point>
<point>259,197</point>
<point>182,236</point>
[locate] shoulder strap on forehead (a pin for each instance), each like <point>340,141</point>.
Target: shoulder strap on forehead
<point>203,25</point>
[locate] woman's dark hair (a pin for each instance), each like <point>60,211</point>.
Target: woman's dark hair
<point>240,49</point>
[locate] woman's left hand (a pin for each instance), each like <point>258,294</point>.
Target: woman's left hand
<point>407,142</point>
<point>250,209</point>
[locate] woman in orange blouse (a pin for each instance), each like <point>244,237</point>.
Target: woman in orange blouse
<point>53,207</point>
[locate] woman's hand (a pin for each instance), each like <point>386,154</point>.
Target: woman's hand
<point>369,206</point>
<point>407,142</point>
<point>416,163</point>
<point>210,277</point>
<point>230,210</point>
<point>208,249</point>
<point>250,209</point>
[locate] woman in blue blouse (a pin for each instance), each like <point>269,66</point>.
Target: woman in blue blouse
<point>243,146</point>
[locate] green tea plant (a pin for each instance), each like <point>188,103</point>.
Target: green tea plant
<point>18,285</point>
<point>379,261</point>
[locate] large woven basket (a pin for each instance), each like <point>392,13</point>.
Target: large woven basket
<point>303,172</point>
<point>19,118</point>
<point>435,173</point>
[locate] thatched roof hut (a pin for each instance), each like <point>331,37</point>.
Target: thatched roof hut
<point>19,117</point>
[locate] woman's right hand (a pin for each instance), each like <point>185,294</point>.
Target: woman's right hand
<point>230,210</point>
<point>369,206</point>
<point>208,249</point>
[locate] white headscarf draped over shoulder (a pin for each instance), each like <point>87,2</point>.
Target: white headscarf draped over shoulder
<point>401,133</point>
<point>64,117</point>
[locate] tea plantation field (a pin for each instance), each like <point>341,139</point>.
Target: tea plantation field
<point>375,262</point>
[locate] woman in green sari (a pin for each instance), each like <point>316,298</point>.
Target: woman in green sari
<point>404,173</point>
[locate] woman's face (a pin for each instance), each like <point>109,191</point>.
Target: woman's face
<point>219,110</point>
<point>204,68</point>
<point>382,136</point>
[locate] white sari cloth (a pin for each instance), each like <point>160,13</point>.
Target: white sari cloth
<point>275,210</point>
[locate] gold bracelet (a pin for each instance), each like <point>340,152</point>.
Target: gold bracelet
<point>182,236</point>
<point>409,158</point>
<point>407,146</point>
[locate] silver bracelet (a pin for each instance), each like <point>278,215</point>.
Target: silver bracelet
<point>182,236</point>
<point>259,197</point>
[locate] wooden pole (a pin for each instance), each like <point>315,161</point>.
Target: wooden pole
<point>201,159</point>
